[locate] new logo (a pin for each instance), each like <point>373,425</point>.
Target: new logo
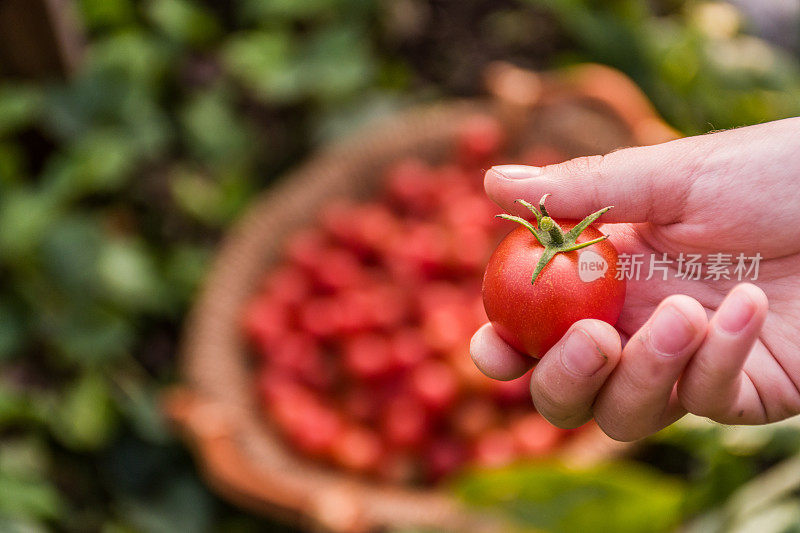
<point>591,266</point>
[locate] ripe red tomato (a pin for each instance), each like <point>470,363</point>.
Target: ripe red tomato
<point>495,448</point>
<point>534,435</point>
<point>532,315</point>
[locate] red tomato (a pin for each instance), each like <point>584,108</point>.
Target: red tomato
<point>400,469</point>
<point>304,248</point>
<point>479,141</point>
<point>435,384</point>
<point>405,422</point>
<point>336,269</point>
<point>534,435</point>
<point>444,457</point>
<point>495,448</point>
<point>364,229</point>
<point>368,356</point>
<point>532,317</point>
<point>358,449</point>
<point>316,429</point>
<point>318,317</point>
<point>409,184</point>
<point>408,348</point>
<point>360,405</point>
<point>299,356</point>
<point>288,286</point>
<point>446,328</point>
<point>265,323</point>
<point>475,417</point>
<point>418,253</point>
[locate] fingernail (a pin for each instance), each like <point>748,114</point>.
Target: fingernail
<point>517,172</point>
<point>581,354</point>
<point>670,332</point>
<point>736,312</point>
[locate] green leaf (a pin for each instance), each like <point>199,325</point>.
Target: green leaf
<point>12,330</point>
<point>183,21</point>
<point>101,161</point>
<point>86,334</point>
<point>135,57</point>
<point>130,276</point>
<point>69,255</point>
<point>86,419</point>
<point>139,402</point>
<point>551,497</point>
<point>23,457</point>
<point>21,525</point>
<point>25,491</point>
<point>212,202</point>
<point>185,268</point>
<point>11,164</point>
<point>263,62</point>
<point>204,116</point>
<point>16,408</point>
<point>99,14</point>
<point>28,498</point>
<point>267,11</point>
<point>20,105</point>
<point>337,63</point>
<point>25,216</point>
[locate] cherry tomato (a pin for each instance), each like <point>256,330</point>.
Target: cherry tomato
<point>532,309</point>
<point>358,449</point>
<point>479,141</point>
<point>534,435</point>
<point>405,422</point>
<point>495,448</point>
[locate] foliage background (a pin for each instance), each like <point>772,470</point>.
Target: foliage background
<point>116,185</point>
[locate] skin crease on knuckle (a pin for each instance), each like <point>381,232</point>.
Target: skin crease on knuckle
<point>547,385</point>
<point>696,398</point>
<point>552,383</point>
<point>616,424</point>
<point>555,409</point>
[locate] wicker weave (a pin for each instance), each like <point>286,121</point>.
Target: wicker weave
<point>216,408</point>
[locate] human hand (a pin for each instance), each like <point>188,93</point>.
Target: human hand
<point>709,347</point>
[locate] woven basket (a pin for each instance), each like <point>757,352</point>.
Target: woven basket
<point>588,110</point>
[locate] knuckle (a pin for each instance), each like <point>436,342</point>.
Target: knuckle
<point>699,394</point>
<point>556,410</point>
<point>617,431</point>
<point>702,407</point>
<point>786,406</point>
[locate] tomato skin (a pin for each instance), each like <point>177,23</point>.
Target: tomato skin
<point>533,317</point>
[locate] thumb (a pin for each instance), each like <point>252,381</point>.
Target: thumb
<point>645,184</point>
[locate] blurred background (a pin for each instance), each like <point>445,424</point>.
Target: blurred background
<point>132,133</point>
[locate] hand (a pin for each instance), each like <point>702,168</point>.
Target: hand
<point>709,347</point>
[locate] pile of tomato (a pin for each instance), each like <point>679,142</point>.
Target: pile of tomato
<point>361,333</point>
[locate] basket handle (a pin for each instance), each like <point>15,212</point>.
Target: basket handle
<point>518,91</point>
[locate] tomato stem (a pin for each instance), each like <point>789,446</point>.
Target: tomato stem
<point>549,225</point>
<point>551,236</point>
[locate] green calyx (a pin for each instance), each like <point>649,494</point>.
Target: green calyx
<point>551,236</point>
